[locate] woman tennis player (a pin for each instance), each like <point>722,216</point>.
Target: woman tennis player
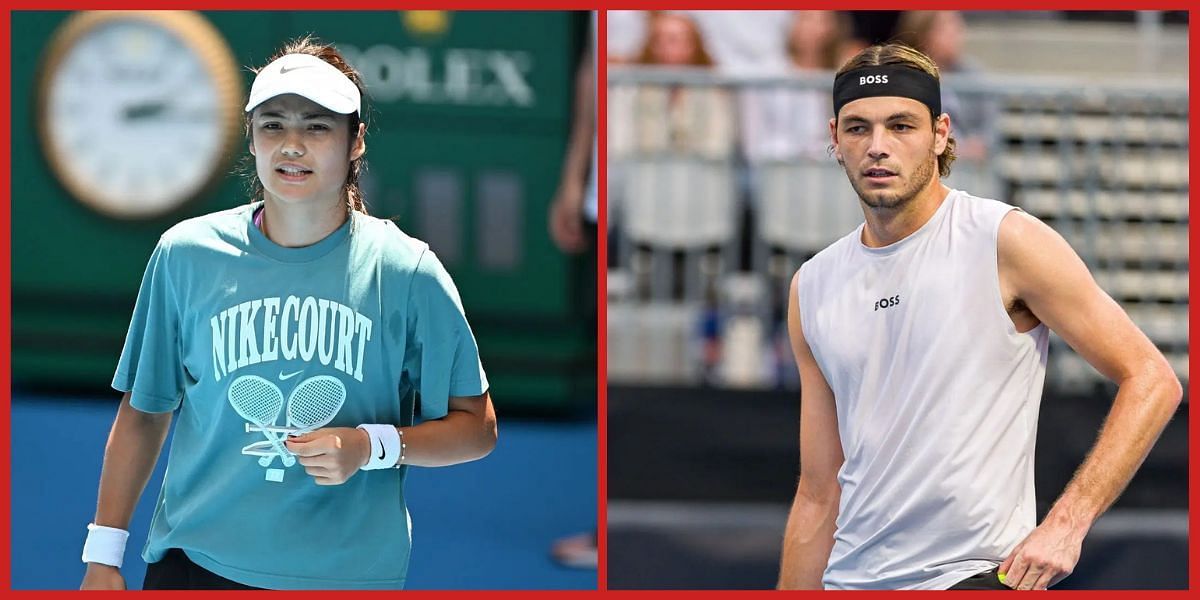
<point>293,336</point>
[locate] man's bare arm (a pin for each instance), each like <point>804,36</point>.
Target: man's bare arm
<point>1039,269</point>
<point>808,538</point>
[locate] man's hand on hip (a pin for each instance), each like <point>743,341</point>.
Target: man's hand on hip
<point>1044,558</point>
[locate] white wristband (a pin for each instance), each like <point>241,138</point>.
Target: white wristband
<point>105,545</point>
<point>387,446</point>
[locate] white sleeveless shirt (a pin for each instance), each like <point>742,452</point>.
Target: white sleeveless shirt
<point>937,400</point>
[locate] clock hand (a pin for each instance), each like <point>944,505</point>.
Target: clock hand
<point>145,110</point>
<point>166,109</point>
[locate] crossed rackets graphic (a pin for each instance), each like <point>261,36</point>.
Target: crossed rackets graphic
<point>311,405</point>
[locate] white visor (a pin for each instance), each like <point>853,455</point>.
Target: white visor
<point>308,76</point>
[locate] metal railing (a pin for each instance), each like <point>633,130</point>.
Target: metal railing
<point>721,185</point>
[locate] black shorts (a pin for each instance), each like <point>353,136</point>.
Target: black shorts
<point>988,580</point>
<point>177,572</point>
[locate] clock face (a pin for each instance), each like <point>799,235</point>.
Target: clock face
<point>138,111</point>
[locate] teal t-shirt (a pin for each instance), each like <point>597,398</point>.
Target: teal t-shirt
<point>231,328</point>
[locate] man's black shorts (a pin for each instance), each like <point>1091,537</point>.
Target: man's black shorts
<point>989,580</point>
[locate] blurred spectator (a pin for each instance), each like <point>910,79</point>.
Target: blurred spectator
<point>573,215</point>
<point>574,209</point>
<point>871,27</point>
<point>817,39</point>
<point>577,551</point>
<point>783,123</point>
<point>626,34</point>
<point>744,41</point>
<point>941,34</point>
<point>680,119</point>
<point>674,39</point>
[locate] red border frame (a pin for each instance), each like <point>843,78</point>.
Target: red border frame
<point>1194,169</point>
<point>1193,562</point>
<point>293,5</point>
<point>601,369</point>
<point>6,303</point>
<point>601,48</point>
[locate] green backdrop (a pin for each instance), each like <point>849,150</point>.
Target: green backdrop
<point>468,126</point>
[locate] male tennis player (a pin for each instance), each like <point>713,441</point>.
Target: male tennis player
<point>921,341</point>
<point>291,335</point>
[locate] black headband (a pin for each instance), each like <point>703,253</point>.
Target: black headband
<point>887,80</point>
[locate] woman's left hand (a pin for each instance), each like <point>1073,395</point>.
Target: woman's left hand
<point>331,455</point>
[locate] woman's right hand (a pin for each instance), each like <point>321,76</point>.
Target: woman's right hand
<point>102,577</point>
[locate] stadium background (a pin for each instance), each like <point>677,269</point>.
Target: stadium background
<point>1086,127</point>
<point>451,158</point>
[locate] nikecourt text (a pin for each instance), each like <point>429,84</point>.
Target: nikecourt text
<point>269,329</point>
